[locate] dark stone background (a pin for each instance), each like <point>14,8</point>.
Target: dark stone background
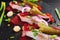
<point>48,6</point>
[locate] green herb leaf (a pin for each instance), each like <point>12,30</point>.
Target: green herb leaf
<point>28,17</point>
<point>7,19</point>
<point>4,16</point>
<point>53,36</point>
<point>58,24</point>
<point>14,0</point>
<point>12,37</point>
<point>35,34</point>
<point>33,1</point>
<point>34,30</point>
<point>57,11</point>
<point>22,4</point>
<point>30,27</point>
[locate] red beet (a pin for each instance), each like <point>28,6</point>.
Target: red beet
<point>25,38</point>
<point>24,14</point>
<point>8,8</point>
<point>26,27</point>
<point>35,26</point>
<point>16,21</point>
<point>14,10</point>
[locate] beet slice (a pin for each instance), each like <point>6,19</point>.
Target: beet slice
<point>16,20</point>
<point>35,26</point>
<point>25,38</point>
<point>8,8</point>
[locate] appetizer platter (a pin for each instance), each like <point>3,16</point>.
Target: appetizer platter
<point>29,20</point>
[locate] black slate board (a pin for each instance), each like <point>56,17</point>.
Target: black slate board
<point>48,6</point>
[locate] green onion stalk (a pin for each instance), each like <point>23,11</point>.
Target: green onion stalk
<point>3,6</point>
<point>57,12</point>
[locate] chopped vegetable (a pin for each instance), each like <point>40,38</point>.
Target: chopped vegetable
<point>3,5</point>
<point>30,27</point>
<point>22,4</point>
<point>57,12</point>
<point>28,17</point>
<point>16,21</point>
<point>12,37</point>
<point>58,24</point>
<point>53,36</point>
<point>4,16</point>
<point>34,30</point>
<point>15,2</point>
<point>24,14</point>
<point>35,34</point>
<point>8,20</point>
<point>26,27</point>
<point>25,38</point>
<point>33,1</point>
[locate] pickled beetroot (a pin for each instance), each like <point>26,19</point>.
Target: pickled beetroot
<point>8,8</point>
<point>35,26</point>
<point>24,14</point>
<point>25,38</point>
<point>26,27</point>
<point>16,21</point>
<point>14,10</point>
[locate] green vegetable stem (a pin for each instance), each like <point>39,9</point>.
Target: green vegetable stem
<point>57,12</point>
<point>3,6</point>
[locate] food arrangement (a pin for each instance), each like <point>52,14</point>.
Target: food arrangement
<point>35,24</point>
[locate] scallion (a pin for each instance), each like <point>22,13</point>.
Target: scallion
<point>57,12</point>
<point>3,5</point>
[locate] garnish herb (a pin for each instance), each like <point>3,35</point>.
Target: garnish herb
<point>12,37</point>
<point>57,12</point>
<point>3,6</point>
